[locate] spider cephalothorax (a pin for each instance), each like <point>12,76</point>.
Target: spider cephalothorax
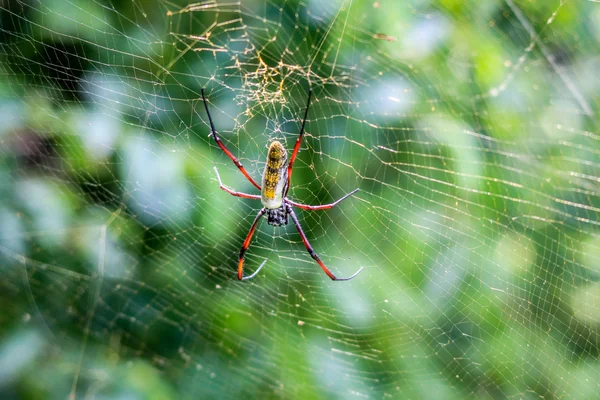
<point>277,216</point>
<point>275,186</point>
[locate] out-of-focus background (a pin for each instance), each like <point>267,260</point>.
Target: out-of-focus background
<point>470,128</point>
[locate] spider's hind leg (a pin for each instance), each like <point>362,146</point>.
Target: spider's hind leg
<point>247,244</point>
<point>312,253</point>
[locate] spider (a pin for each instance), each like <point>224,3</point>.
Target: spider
<point>275,186</point>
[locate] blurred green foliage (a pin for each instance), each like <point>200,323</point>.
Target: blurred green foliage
<point>469,127</point>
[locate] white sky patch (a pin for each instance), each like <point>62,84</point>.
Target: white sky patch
<point>509,95</point>
<point>11,117</point>
<point>99,133</point>
<point>327,9</point>
<point>222,114</point>
<point>352,297</point>
<point>423,37</point>
<point>156,182</point>
<point>585,73</point>
<point>330,365</point>
<point>445,277</point>
<point>108,96</point>
<point>11,232</point>
<point>391,98</point>
<point>117,263</point>
<point>561,120</point>
<point>17,352</point>
<point>47,208</point>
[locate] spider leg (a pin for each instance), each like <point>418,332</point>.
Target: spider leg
<point>224,148</point>
<point>312,252</point>
<point>245,278</point>
<point>233,192</point>
<point>297,145</point>
<point>246,244</point>
<point>323,206</point>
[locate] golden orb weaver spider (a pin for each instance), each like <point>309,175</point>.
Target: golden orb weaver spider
<point>275,186</point>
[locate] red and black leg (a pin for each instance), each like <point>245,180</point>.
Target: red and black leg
<point>312,252</point>
<point>321,207</point>
<point>297,145</point>
<point>222,146</point>
<point>245,247</point>
<point>233,192</point>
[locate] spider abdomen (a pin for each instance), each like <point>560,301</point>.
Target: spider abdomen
<point>275,177</point>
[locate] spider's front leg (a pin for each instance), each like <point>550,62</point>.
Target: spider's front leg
<point>233,192</point>
<point>224,148</point>
<point>297,145</point>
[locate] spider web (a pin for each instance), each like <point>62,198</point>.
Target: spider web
<point>469,128</point>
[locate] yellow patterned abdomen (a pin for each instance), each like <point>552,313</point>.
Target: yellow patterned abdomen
<point>275,176</point>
